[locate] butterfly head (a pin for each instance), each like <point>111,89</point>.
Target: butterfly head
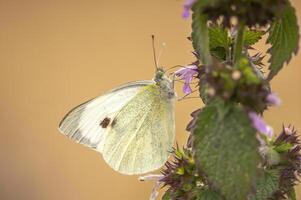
<point>166,85</point>
<point>160,74</point>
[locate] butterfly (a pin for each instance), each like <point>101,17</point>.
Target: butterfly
<point>132,126</point>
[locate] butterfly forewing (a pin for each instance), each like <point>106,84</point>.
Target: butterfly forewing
<point>88,123</point>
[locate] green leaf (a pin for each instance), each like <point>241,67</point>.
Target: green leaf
<point>267,185</point>
<point>203,88</point>
<point>272,157</point>
<point>284,38</point>
<point>219,53</point>
<point>252,36</point>
<point>284,147</point>
<point>166,196</point>
<point>199,35</point>
<point>206,194</point>
<point>291,195</point>
<point>226,148</point>
<point>218,37</point>
<point>219,42</point>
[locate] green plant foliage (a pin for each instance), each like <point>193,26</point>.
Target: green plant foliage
<point>251,37</point>
<point>250,77</point>
<point>203,88</point>
<point>166,196</point>
<point>239,83</point>
<point>219,42</point>
<point>199,194</point>
<point>199,34</point>
<point>290,166</point>
<point>267,185</point>
<point>223,159</point>
<point>252,12</point>
<point>292,194</point>
<point>271,156</point>
<point>206,194</point>
<point>226,148</point>
<point>283,148</point>
<point>284,38</point>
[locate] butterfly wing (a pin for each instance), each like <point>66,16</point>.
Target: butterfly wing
<point>85,123</point>
<point>142,133</point>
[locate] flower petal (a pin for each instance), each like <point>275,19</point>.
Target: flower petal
<point>186,88</point>
<point>186,8</point>
<point>273,99</point>
<point>155,192</point>
<point>157,178</point>
<point>185,13</point>
<point>188,70</point>
<point>260,125</point>
<point>187,74</point>
<point>151,177</point>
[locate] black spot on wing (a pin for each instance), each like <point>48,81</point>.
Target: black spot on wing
<point>105,122</point>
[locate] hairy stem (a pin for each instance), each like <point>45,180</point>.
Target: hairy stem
<point>238,44</point>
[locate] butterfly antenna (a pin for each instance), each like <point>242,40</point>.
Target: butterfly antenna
<point>154,51</point>
<point>161,52</point>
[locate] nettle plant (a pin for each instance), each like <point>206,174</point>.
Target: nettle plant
<point>231,152</point>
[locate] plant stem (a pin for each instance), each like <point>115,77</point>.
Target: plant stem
<point>238,45</point>
<point>200,36</point>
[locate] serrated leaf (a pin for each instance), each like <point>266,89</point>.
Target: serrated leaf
<point>251,37</point>
<point>199,35</point>
<point>203,89</point>
<point>267,185</point>
<point>166,196</point>
<point>219,53</point>
<point>218,37</point>
<point>291,195</point>
<point>219,42</point>
<point>206,194</point>
<point>226,148</point>
<point>284,38</point>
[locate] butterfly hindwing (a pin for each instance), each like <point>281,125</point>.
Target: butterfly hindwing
<point>88,123</point>
<point>142,133</point>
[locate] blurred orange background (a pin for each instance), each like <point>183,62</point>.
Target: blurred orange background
<point>57,54</point>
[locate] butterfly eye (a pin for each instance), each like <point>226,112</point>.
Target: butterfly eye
<point>159,74</point>
<point>171,95</point>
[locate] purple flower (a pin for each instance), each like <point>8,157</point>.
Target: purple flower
<point>186,74</point>
<point>157,178</point>
<point>260,125</point>
<point>186,8</point>
<point>273,99</point>
<point>151,177</point>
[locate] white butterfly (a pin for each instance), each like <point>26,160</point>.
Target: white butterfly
<point>132,126</point>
